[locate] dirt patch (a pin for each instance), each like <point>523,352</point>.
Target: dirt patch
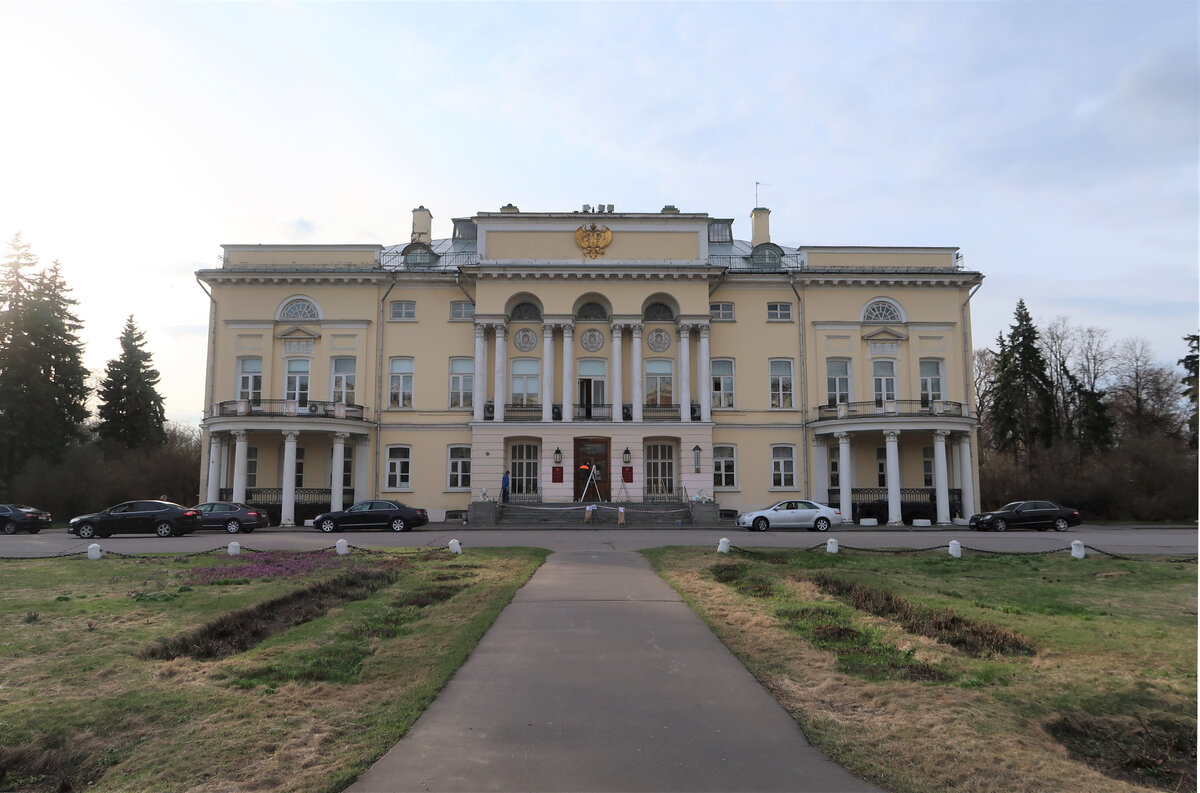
<point>1158,751</point>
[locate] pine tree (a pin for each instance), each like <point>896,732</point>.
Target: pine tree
<point>1191,365</point>
<point>131,409</point>
<point>1023,398</point>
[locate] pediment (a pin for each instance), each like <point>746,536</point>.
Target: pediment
<point>297,333</point>
<point>885,334</point>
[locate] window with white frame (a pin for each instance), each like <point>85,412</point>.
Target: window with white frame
<point>881,466</point>
<point>299,309</point>
<point>779,312</point>
<point>881,311</point>
<point>525,380</point>
<point>462,309</point>
<point>400,383</point>
<point>722,382</point>
<point>721,312</point>
<point>462,382</point>
<point>593,376</point>
<point>724,467</point>
<point>835,466</point>
<point>524,463</point>
<point>347,467</point>
<point>781,382</point>
<point>931,381</point>
<point>250,379</point>
<point>884,374</point>
<point>403,310</point>
<point>343,380</point>
<point>927,465</point>
<point>399,467</point>
<point>295,387</point>
<point>299,478</point>
<point>837,379</point>
<point>659,382</point>
<point>783,467</point>
<point>251,466</point>
<point>458,475</point>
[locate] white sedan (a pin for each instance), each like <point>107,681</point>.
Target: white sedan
<point>792,515</point>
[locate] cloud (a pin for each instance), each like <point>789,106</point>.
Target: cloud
<point>299,229</point>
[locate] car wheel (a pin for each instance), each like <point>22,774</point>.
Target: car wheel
<point>86,531</point>
<point>821,524</point>
<point>1060,524</point>
<point>1000,524</point>
<point>761,524</point>
<point>398,524</point>
<point>164,529</point>
<point>233,526</point>
<point>327,526</point>
<point>10,527</point>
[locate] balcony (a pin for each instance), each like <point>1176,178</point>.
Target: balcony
<point>524,411</point>
<point>288,408</point>
<point>876,409</point>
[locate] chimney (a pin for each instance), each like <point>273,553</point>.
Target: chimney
<point>509,209</point>
<point>760,225</point>
<point>422,226</point>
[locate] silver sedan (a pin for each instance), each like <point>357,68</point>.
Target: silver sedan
<point>792,515</point>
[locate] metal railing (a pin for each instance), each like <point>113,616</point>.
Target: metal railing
<point>289,408</point>
<point>915,502</point>
<point>660,412</point>
<point>523,412</point>
<point>593,412</point>
<point>891,407</point>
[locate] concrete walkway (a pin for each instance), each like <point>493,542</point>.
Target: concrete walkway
<point>597,677</point>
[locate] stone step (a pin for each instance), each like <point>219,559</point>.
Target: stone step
<point>571,515</point>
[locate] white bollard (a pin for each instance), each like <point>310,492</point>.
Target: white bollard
<point>343,547</point>
<point>234,549</point>
<point>831,545</point>
<point>1077,549</point>
<point>956,549</point>
<point>455,546</point>
<point>93,551</point>
<point>723,545</point>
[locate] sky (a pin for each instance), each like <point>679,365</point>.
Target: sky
<point>1055,143</point>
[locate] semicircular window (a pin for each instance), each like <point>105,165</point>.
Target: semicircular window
<point>526,311</point>
<point>419,256</point>
<point>659,312</point>
<point>881,312</point>
<point>299,309</point>
<point>592,311</point>
<point>765,257</point>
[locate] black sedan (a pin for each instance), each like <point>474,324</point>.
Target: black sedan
<point>230,517</point>
<point>372,515</point>
<point>18,517</point>
<point>137,517</point>
<point>1040,515</point>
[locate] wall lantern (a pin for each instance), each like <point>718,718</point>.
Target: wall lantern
<point>557,456</point>
<point>625,456</point>
<point>696,457</point>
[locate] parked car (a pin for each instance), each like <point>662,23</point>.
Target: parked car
<point>372,515</point>
<point>230,517</point>
<point>137,517</point>
<point>791,515</point>
<point>18,517</point>
<point>1040,515</point>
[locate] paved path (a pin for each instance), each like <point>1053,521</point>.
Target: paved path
<point>597,677</point>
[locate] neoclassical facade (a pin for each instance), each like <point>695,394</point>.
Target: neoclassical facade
<point>594,355</point>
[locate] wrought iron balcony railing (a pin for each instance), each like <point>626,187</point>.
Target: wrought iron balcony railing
<point>289,408</point>
<point>891,407</point>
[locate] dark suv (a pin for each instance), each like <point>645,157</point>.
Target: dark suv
<point>137,517</point>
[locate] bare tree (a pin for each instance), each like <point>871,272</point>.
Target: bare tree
<point>1094,358</point>
<point>1145,394</point>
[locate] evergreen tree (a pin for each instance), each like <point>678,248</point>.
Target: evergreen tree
<point>131,409</point>
<point>1191,365</point>
<point>1023,395</point>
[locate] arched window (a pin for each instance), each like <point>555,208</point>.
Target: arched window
<point>881,311</point>
<point>592,311</point>
<point>299,309</point>
<point>659,312</point>
<point>527,312</point>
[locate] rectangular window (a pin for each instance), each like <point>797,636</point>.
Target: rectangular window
<point>931,381</point>
<point>835,465</point>
<point>927,465</point>
<point>524,466</point>
<point>884,373</point>
<point>250,379</point>
<point>525,381</point>
<point>343,380</point>
<point>781,383</point>
<point>722,383</point>
<point>721,312</point>
<point>783,467</point>
<point>881,466</point>
<point>296,386</point>
<point>459,477</point>
<point>720,231</point>
<point>400,383</point>
<point>399,467</point>
<point>347,467</point>
<point>837,378</point>
<point>461,309</point>
<point>659,390</point>
<point>403,309</point>
<point>251,466</point>
<point>462,382</point>
<point>779,312</point>
<point>724,467</point>
<point>299,466</point>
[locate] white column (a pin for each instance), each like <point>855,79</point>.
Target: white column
<point>705,379</point>
<point>845,477</point>
<point>547,372</point>
<point>820,472</point>
<point>500,390</point>
<point>636,373</point>
<point>685,372</point>
<point>240,453</point>
<point>568,378</point>
<point>212,486</point>
<point>941,477</point>
<point>362,465</point>
<point>618,386</point>
<point>288,513</point>
<point>479,383</point>
<point>339,462</point>
<point>892,439</point>
<point>966,475</point>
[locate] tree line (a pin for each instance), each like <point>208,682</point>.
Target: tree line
<point>1071,416</point>
<point>54,453</point>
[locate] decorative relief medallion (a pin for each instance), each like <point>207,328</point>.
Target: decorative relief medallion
<point>593,239</point>
<point>297,347</point>
<point>591,340</point>
<point>525,340</point>
<point>658,340</point>
<point>883,348</point>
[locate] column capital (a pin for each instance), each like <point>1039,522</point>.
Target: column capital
<point>239,435</point>
<point>481,329</point>
<point>568,329</point>
<point>636,329</point>
<point>685,329</point>
<point>501,329</point>
<point>617,330</point>
<point>704,329</point>
<point>341,436</point>
<point>290,435</point>
<point>547,329</point>
<point>891,435</point>
<point>941,434</point>
<point>842,436</point>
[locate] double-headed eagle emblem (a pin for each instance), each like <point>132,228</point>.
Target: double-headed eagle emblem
<point>593,239</point>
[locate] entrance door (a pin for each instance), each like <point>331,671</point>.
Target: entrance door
<point>591,469</point>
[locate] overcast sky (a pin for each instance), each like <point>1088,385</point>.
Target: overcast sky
<point>1054,143</point>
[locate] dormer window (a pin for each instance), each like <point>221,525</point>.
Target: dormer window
<point>720,231</point>
<point>465,229</point>
<point>419,255</point>
<point>766,256</point>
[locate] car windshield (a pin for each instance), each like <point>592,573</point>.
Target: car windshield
<point>1010,507</point>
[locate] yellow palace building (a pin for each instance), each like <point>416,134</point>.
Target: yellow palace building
<point>595,355</point>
